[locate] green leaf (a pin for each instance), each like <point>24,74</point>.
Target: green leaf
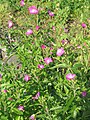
<point>59,66</point>
<point>16,111</point>
<point>3,118</point>
<point>18,118</point>
<point>6,84</point>
<point>67,105</point>
<point>74,114</point>
<point>66,89</point>
<point>0,113</point>
<point>56,108</point>
<point>77,65</point>
<point>41,116</point>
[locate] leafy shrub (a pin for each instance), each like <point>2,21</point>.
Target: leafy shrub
<point>45,60</point>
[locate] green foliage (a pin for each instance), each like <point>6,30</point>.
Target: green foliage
<point>60,99</point>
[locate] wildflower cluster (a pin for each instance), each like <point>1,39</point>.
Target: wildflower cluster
<point>45,72</point>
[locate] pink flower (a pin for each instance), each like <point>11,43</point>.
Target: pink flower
<point>37,27</point>
<point>29,32</point>
<point>79,47</point>
<point>70,76</point>
<point>48,60</point>
<point>60,52</point>
<point>0,76</point>
<point>64,41</point>
<point>10,24</point>
<point>22,3</point>
<point>33,43</point>
<point>36,96</point>
<point>32,117</point>
<point>43,46</point>
<point>40,66</point>
<point>21,108</point>
<point>84,93</point>
<point>85,44</point>
<point>26,78</point>
<point>10,99</point>
<point>84,25</point>
<point>51,53</point>
<point>53,27</point>
<point>51,48</point>
<point>33,10</point>
<point>5,91</point>
<point>50,13</point>
<point>65,30</point>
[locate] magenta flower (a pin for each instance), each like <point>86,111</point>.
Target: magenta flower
<point>5,91</point>
<point>70,76</point>
<point>53,27</point>
<point>10,24</point>
<point>40,66</point>
<point>43,46</point>
<point>51,53</point>
<point>22,3</point>
<point>33,10</point>
<point>36,96</point>
<point>50,13</point>
<point>32,117</point>
<point>37,28</point>
<point>29,32</point>
<point>48,60</point>
<point>84,93</point>
<point>79,47</point>
<point>64,41</point>
<point>21,108</point>
<point>0,76</point>
<point>60,52</point>
<point>84,25</point>
<point>51,48</point>
<point>26,78</point>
